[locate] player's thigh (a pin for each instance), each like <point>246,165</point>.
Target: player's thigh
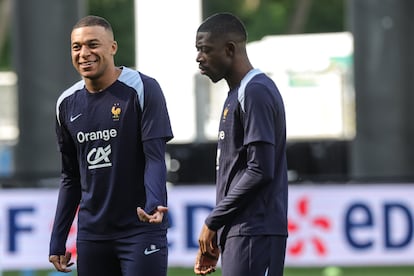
<point>144,254</point>
<point>261,255</point>
<point>245,256</point>
<point>97,258</point>
<point>277,258</point>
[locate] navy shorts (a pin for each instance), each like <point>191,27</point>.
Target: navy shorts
<point>139,255</point>
<point>253,256</point>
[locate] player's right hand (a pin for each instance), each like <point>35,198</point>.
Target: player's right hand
<point>61,262</point>
<point>206,263</point>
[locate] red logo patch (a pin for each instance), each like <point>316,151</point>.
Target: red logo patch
<point>307,230</point>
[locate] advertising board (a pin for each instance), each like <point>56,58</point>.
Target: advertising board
<point>328,225</point>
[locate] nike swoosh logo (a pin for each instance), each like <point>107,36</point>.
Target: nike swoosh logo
<point>150,251</point>
<point>73,118</point>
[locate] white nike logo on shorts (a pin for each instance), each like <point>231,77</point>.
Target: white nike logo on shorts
<point>151,250</point>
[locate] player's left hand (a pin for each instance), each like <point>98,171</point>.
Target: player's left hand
<point>155,217</point>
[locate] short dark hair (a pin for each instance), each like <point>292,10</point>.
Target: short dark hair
<point>220,24</point>
<point>93,20</point>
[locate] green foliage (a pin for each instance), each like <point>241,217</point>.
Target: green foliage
<point>120,13</point>
<point>5,55</point>
<point>327,16</point>
<point>271,17</point>
<point>262,17</point>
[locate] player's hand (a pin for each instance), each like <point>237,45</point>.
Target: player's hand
<point>155,217</point>
<point>207,241</point>
<point>61,262</point>
<point>206,263</point>
<point>208,252</point>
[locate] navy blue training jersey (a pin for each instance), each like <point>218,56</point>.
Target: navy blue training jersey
<point>101,136</point>
<point>251,161</point>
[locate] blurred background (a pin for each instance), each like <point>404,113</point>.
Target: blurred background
<point>345,70</point>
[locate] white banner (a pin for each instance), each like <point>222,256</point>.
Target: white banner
<point>328,225</point>
<point>351,225</point>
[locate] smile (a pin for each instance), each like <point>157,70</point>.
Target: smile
<point>87,63</point>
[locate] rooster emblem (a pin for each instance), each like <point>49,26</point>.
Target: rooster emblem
<point>116,112</point>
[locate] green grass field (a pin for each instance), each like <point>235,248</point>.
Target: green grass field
<point>343,271</point>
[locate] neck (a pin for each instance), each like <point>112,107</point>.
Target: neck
<point>103,82</point>
<point>238,74</point>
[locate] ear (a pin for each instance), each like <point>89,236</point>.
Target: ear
<point>231,48</point>
<point>114,47</point>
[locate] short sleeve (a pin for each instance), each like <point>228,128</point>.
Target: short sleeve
<point>155,117</point>
<point>259,116</point>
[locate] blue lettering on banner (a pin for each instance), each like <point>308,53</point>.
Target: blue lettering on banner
<point>389,209</point>
<point>191,211</point>
<point>351,224</point>
<point>359,217</point>
<point>14,228</point>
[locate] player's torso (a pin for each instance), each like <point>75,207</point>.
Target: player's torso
<point>230,150</point>
<point>97,123</point>
<point>105,130</point>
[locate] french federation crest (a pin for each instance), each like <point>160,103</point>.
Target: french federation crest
<point>116,111</point>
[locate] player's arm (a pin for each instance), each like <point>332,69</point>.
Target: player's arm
<point>260,168</point>
<point>68,201</point>
<point>259,119</point>
<point>259,172</point>
<point>155,175</point>
<point>156,132</point>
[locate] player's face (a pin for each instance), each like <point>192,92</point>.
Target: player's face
<point>213,57</point>
<point>93,49</point>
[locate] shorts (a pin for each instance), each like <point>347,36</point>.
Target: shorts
<point>253,256</point>
<point>138,255</point>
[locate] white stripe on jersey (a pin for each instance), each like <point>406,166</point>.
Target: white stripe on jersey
<point>244,83</point>
<point>77,86</point>
<point>133,79</point>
